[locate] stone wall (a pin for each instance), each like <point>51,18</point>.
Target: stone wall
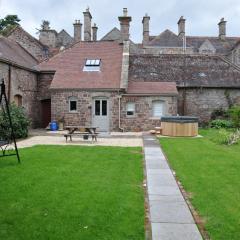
<point>83,116</point>
<point>143,119</point>
<point>48,38</point>
<point>44,82</point>
<point>29,43</point>
<point>24,84</point>
<point>201,102</point>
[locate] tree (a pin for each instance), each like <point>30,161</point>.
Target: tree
<point>8,23</point>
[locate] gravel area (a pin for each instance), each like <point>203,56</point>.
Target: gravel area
<point>60,140</point>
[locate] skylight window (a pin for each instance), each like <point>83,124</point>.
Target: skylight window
<point>92,65</point>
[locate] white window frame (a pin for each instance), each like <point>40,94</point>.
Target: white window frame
<point>153,109</point>
<point>72,99</point>
<point>130,107</point>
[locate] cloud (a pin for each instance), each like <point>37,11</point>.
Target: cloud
<point>202,16</point>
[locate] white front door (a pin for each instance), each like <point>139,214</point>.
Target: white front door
<point>100,114</point>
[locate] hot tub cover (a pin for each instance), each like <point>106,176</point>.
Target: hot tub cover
<point>179,119</point>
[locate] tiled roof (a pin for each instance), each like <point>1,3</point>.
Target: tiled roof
<point>13,52</point>
<point>166,39</point>
<point>69,65</point>
<point>221,46</point>
<point>163,88</point>
<point>170,39</point>
<point>185,70</point>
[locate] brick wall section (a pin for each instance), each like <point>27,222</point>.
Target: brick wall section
<point>30,44</point>
<point>143,119</point>
<point>202,102</point>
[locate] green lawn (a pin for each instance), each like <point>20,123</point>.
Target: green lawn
<point>211,173</point>
<point>72,193</point>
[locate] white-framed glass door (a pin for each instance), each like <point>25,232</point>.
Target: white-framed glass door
<point>100,114</point>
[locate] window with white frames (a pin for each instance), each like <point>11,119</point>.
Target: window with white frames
<point>157,109</point>
<point>72,104</point>
<point>92,65</point>
<point>130,108</point>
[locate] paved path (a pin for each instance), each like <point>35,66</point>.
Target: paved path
<point>170,216</point>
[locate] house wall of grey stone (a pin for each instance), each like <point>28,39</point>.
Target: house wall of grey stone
<point>23,83</point>
<point>48,38</point>
<point>143,119</point>
<point>202,102</point>
<point>28,43</point>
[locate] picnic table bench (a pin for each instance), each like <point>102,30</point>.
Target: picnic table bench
<point>80,131</point>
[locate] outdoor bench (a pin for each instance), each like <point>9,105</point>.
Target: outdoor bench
<point>85,135</point>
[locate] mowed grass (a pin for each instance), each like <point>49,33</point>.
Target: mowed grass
<point>72,193</point>
<point>211,174</point>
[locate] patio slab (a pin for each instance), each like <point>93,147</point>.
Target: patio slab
<point>172,231</point>
<point>170,216</point>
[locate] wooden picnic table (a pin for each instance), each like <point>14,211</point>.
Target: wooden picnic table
<point>84,131</point>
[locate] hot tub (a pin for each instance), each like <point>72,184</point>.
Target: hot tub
<point>179,126</point>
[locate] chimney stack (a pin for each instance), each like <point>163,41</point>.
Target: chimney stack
<point>77,31</point>
<point>87,25</point>
<point>181,27</point>
<point>145,23</point>
<point>94,32</point>
<point>222,29</point>
<point>125,24</point>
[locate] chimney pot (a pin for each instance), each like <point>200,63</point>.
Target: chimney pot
<point>125,24</point>
<point>181,27</point>
<point>77,31</point>
<point>94,32</point>
<point>87,25</point>
<point>145,23</point>
<point>222,29</point>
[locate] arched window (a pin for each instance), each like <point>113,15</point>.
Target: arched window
<point>18,100</point>
<point>158,108</point>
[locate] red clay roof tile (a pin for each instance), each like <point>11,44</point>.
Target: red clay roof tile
<point>165,88</point>
<point>69,66</point>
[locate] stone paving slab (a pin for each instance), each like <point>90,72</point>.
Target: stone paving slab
<point>170,212</point>
<point>171,231</point>
<point>164,190</point>
<point>171,198</point>
<point>170,216</point>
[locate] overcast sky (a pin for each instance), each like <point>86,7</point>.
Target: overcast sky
<point>202,15</point>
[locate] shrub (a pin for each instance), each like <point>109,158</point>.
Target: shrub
<point>19,120</point>
<point>221,137</point>
<point>234,137</point>
<point>226,137</point>
<point>234,113</point>
<point>219,113</point>
<point>220,123</point>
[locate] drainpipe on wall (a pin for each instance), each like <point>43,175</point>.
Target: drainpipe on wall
<point>9,82</point>
<point>119,113</point>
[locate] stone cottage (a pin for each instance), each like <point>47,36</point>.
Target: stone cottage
<point>116,84</point>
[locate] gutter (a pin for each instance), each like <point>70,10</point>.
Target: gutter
<point>151,94</point>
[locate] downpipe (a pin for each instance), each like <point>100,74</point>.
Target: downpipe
<point>119,113</point>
